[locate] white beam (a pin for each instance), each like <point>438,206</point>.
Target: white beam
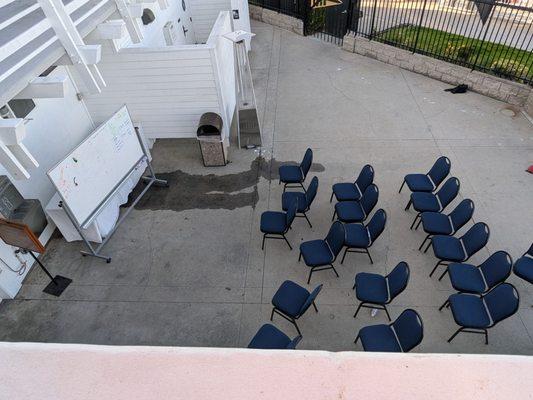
<point>136,10</point>
<point>115,29</point>
<point>131,23</point>
<point>23,155</point>
<point>12,130</point>
<point>11,164</point>
<point>72,41</point>
<point>91,53</point>
<point>45,87</point>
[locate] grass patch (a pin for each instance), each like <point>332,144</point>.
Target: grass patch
<point>498,59</point>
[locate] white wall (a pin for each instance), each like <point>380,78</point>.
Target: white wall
<point>55,128</point>
<point>204,14</point>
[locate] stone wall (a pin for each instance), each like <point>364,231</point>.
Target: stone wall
<point>277,19</point>
<point>488,85</point>
<point>528,107</point>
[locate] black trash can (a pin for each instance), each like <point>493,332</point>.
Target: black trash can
<point>210,138</point>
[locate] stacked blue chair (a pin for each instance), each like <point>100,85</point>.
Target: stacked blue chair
<point>291,301</point>
<point>434,202</point>
<point>348,191</point>
<point>320,255</point>
<point>360,238</point>
<point>376,291</point>
<point>304,200</point>
<point>468,278</point>
<point>357,211</point>
<point>449,249</point>
<point>402,335</point>
<point>476,314</point>
<point>435,223</point>
<point>524,266</point>
<point>276,224</point>
<point>269,337</point>
<point>294,175</point>
<point>428,182</point>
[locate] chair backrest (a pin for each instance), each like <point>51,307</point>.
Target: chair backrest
<point>448,192</point>
<point>440,170</point>
<point>398,279</point>
<point>530,251</point>
<point>335,238</point>
<point>370,198</point>
<point>305,165</point>
<point>409,329</point>
<point>377,224</point>
<point>310,194</point>
<point>475,238</point>
<point>462,214</point>
<point>502,302</point>
<point>496,268</point>
<point>310,299</point>
<point>365,178</point>
<point>291,214</point>
<point>294,342</point>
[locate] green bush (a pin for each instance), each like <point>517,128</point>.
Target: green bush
<point>459,52</point>
<point>316,21</point>
<point>508,68</point>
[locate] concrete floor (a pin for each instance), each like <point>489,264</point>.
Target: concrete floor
<point>188,268</point>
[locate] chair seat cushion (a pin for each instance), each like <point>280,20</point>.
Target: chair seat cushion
<point>469,311</point>
<point>425,202</point>
<point>269,337</point>
<point>273,222</point>
<point>356,236</point>
<point>419,183</point>
<point>346,191</point>
<point>436,223</point>
<point>290,174</point>
<point>379,338</point>
<point>466,278</point>
<point>350,211</point>
<point>290,298</point>
<point>448,248</point>
<point>371,288</point>
<point>288,198</point>
<point>524,268</point>
<point>316,253</point>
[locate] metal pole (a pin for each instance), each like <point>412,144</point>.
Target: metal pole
<point>419,25</point>
<point>373,20</point>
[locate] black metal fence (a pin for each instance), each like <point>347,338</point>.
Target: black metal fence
<point>496,38</point>
<point>492,37</point>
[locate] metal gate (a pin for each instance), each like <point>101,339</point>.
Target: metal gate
<point>329,20</point>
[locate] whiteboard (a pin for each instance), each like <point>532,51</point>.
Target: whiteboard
<point>88,176</point>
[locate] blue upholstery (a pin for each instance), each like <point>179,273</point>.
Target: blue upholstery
<point>357,236</point>
<point>476,238</point>
<point>270,337</point>
<point>289,298</point>
<point>440,170</point>
<point>310,299</point>
<point>436,202</point>
<point>435,223</point>
<point>523,267</point>
<point>423,183</point>
<point>419,183</point>
<point>289,197</point>
<point>353,191</point>
<point>497,268</point>
<point>377,223</point>
<point>462,214</point>
<point>296,173</point>
<point>466,278</point>
<point>307,162</point>
<point>310,194</point>
<point>358,211</point>
<point>336,237</point>
<point>409,329</point>
<point>371,288</point>
<point>398,279</point>
<point>273,222</point>
<point>502,302</point>
<point>379,338</point>
<point>448,248</point>
<point>316,253</point>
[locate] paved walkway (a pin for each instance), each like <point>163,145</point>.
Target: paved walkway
<point>188,268</point>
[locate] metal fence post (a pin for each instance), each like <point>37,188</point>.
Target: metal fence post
<point>483,40</point>
<point>373,20</point>
<point>419,25</point>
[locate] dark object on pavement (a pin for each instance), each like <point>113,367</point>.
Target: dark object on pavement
<point>462,88</point>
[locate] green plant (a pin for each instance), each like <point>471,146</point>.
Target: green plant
<point>508,68</point>
<point>316,21</point>
<point>459,52</point>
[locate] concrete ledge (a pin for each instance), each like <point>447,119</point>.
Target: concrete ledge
<point>488,85</point>
<point>277,19</point>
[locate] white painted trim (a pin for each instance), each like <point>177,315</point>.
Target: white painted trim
<point>44,87</point>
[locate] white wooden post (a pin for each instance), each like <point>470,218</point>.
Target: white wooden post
<point>131,23</point>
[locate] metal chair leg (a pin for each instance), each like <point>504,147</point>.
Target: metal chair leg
<point>419,222</point>
<point>446,304</point>
<point>314,305</point>
<point>358,308</point>
<point>387,312</point>
<point>414,221</point>
<point>272,314</point>
<point>408,206</point>
<point>296,326</point>
<point>309,222</point>
<point>334,270</point>
<point>486,336</point>
<point>369,256</point>
<point>344,255</point>
<point>356,339</point>
<point>424,242</point>
<point>263,244</point>
<point>428,246</point>
<point>334,214</point>
<point>290,247</point>
<point>300,257</point>
<point>401,187</point>
<point>435,268</point>
<point>444,273</point>
<point>309,276</point>
<point>455,334</point>
<point>331,198</point>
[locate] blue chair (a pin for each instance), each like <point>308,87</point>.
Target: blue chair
<point>269,337</point>
<point>348,191</point>
<point>376,291</point>
<point>478,313</point>
<point>320,254</point>
<point>275,224</point>
<point>360,238</point>
<point>524,266</point>
<point>435,202</point>
<point>304,200</point>
<point>428,182</point>
<point>294,175</point>
<point>467,278</point>
<point>291,301</point>
<point>357,211</point>
<point>402,335</point>
<point>435,223</point>
<point>449,249</point>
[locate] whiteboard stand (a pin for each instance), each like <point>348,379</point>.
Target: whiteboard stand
<point>150,180</point>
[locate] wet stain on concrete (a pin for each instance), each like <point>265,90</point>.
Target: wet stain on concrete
<point>188,192</point>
